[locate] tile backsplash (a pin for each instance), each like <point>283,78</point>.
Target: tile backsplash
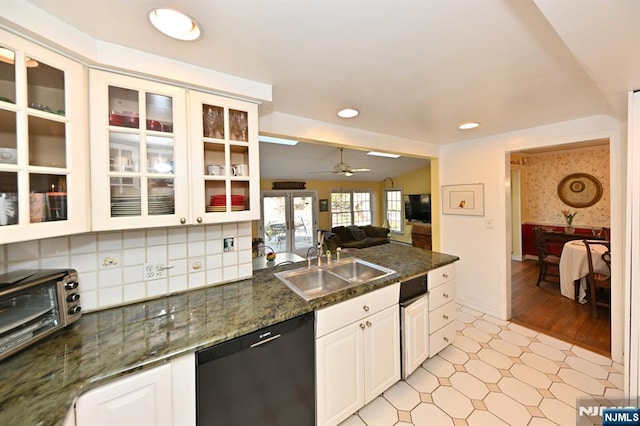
<point>110,265</point>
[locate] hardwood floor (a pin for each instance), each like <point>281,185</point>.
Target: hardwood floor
<point>545,310</point>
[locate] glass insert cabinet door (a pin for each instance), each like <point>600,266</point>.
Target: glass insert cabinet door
<point>40,138</point>
<point>141,127</point>
<point>225,175</point>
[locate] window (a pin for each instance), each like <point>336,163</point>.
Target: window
<point>351,207</point>
<point>393,209</point>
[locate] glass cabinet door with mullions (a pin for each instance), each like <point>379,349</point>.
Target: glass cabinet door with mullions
<point>138,130</point>
<point>42,144</point>
<point>225,180</point>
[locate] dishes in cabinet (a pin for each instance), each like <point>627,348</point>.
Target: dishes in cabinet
<point>130,205</point>
<point>218,203</point>
<point>124,119</point>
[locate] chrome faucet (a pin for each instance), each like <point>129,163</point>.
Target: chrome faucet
<point>318,256</point>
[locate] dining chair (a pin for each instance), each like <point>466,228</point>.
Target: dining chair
<point>549,250</point>
<point>599,284</point>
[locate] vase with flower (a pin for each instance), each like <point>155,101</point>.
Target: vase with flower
<point>568,217</point>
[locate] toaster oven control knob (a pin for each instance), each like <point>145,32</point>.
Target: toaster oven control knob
<point>71,285</point>
<point>74,310</point>
<point>73,297</point>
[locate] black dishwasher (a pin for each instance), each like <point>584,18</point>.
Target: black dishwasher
<point>263,378</point>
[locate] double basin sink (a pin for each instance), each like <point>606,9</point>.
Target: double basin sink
<point>311,283</point>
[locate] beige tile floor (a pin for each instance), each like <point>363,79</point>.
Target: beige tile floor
<point>496,373</point>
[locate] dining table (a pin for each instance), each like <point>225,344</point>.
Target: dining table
<point>574,267</point>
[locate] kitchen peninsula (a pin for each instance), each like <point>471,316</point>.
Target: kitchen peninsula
<point>41,384</point>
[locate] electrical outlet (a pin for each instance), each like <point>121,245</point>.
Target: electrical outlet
<point>154,271</point>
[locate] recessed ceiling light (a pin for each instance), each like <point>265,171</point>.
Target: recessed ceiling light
<point>383,154</point>
<point>348,113</point>
<point>175,24</point>
<point>469,125</point>
<point>280,141</point>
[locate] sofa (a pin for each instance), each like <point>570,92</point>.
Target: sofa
<point>355,237</point>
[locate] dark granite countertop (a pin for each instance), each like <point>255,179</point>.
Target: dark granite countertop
<point>40,384</point>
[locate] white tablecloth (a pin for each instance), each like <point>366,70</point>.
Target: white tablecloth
<point>574,265</point>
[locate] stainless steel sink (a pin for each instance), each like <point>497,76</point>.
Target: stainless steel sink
<point>311,283</point>
<point>358,270</point>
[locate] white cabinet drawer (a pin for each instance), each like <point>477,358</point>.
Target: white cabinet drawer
<point>442,338</point>
<point>441,295</point>
<point>442,316</point>
<point>344,313</point>
<point>441,275</point>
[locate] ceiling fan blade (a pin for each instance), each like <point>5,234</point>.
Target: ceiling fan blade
<point>361,170</point>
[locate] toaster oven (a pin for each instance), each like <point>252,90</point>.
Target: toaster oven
<point>34,304</point>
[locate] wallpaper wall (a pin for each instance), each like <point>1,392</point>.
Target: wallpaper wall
<point>541,176</point>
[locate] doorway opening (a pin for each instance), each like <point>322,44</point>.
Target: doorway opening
<point>535,175</point>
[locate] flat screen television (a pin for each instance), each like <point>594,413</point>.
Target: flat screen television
<point>417,207</point>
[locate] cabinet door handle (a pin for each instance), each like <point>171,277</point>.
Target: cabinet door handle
<point>183,220</point>
<point>445,317</point>
<point>368,324</point>
<point>446,339</point>
<point>362,326</point>
<point>199,219</point>
<point>366,308</point>
<point>445,295</point>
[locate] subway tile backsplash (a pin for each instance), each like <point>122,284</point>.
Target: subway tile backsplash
<point>110,265</point>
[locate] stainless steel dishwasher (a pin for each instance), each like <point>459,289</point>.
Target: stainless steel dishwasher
<point>263,378</point>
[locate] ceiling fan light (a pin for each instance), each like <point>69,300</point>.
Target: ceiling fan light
<point>348,173</point>
<point>175,24</point>
<point>348,113</point>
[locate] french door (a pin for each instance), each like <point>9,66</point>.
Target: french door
<point>289,220</point>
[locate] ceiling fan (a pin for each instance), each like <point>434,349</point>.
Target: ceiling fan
<point>344,169</point>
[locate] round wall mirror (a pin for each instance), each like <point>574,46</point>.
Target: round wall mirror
<point>580,190</point>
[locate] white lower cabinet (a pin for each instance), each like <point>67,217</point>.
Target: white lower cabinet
<point>415,335</point>
<point>163,395</point>
<point>442,307</point>
<point>358,356</point>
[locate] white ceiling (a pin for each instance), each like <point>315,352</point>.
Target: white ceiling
<point>414,68</point>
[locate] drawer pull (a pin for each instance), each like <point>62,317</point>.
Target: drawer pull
<point>362,326</point>
<point>445,295</point>
<point>368,324</point>
<point>445,317</point>
<point>366,308</point>
<point>446,339</point>
<point>445,276</point>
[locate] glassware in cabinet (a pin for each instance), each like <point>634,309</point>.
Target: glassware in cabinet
<point>42,124</point>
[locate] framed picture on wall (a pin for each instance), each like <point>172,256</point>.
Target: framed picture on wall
<point>324,205</point>
<point>463,199</point>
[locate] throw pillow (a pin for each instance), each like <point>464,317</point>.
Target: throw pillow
<point>342,233</point>
<point>357,233</point>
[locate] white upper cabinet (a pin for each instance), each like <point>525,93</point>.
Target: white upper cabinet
<point>225,184</point>
<point>43,146</point>
<point>139,156</point>
<point>158,159</point>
